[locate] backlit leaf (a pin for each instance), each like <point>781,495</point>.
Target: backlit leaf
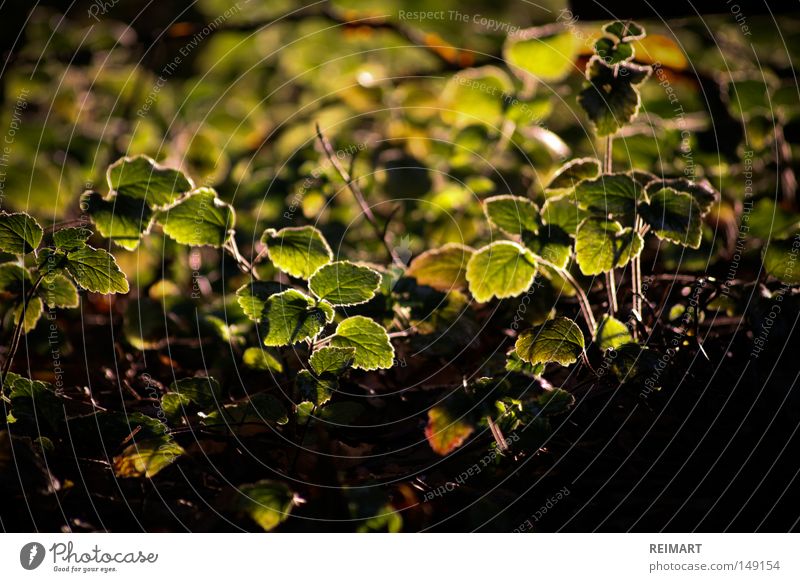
<point>547,53</point>
<point>342,283</point>
<point>96,270</point>
<point>501,269</point>
<point>602,245</point>
<point>121,219</point>
<point>268,503</point>
<point>140,177</point>
<point>298,251</point>
<point>574,171</point>
<point>610,194</point>
<point>444,268</point>
<point>19,233</point>
<point>612,333</point>
<point>674,216</point>
<point>147,458</point>
<point>293,317</point>
<point>512,214</point>
<point>445,432</point>
<point>782,260</point>
<point>332,360</point>
<point>611,98</point>
<point>559,340</point>
<point>373,350</point>
<point>252,297</point>
<point>198,219</point>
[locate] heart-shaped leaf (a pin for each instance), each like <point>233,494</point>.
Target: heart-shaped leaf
<point>612,333</point>
<point>33,311</point>
<point>121,219</point>
<point>611,98</point>
<point>444,268</point>
<point>373,350</point>
<point>298,251</point>
<point>19,233</point>
<point>96,270</point>
<point>563,212</point>
<point>293,317</point>
<point>141,178</point>
<point>332,360</point>
<point>674,216</point>
<point>199,219</point>
<point>559,340</point>
<point>602,245</point>
<point>614,195</point>
<point>501,269</point>
<point>344,284</point>
<point>512,214</point>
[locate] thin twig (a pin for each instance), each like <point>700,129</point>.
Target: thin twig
<point>355,189</point>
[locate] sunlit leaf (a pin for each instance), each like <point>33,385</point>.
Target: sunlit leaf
<point>71,239</point>
<point>343,284</point>
<point>293,317</point>
<point>200,218</point>
<point>612,333</point>
<point>140,177</point>
<point>445,432</point>
<point>574,171</point>
<point>298,251</point>
<point>501,269</point>
<point>58,291</point>
<point>332,360</point>
<point>261,359</point>
<point>252,297</point>
<point>602,245</point>
<point>444,268</point>
<point>559,340</point>
<point>268,503</point>
<point>614,195</point>
<point>512,214</point>
<point>19,233</point>
<point>147,458</point>
<point>782,260</point>
<point>121,219</point>
<point>96,270</point>
<point>547,53</point>
<point>373,350</point>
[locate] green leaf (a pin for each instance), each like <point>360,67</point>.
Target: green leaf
<point>555,401</point>
<point>252,297</point>
<point>444,268</point>
<point>58,291</point>
<point>624,31</point>
<point>314,389</point>
<point>332,360</point>
<point>517,365</point>
<point>268,503</point>
<point>614,195</point>
<point>19,233</point>
<point>445,432</point>
<point>602,245</point>
<point>512,214</point>
<point>14,279</point>
<point>343,284</point>
<point>261,359</point>
<point>501,269</point>
<point>33,312</point>
<point>547,53</point>
<point>201,390</point>
<point>674,216</point>
<point>563,212</point>
<point>476,96</point>
<point>293,317</point>
<point>611,98</point>
<point>96,270</point>
<point>373,350</point>
<point>570,174</point>
<point>298,251</point>
<point>781,260</point>
<point>199,219</point>
<point>140,177</point>
<point>612,52</point>
<point>34,404</point>
<point>612,333</point>
<point>559,340</point>
<point>121,219</point>
<point>768,220</point>
<point>147,458</point>
<point>702,192</point>
<point>552,244</point>
<point>71,239</point>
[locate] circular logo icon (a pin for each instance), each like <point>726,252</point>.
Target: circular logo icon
<point>31,555</point>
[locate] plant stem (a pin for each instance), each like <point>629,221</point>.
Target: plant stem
<point>611,282</point>
<point>233,250</point>
<point>636,282</point>
<point>583,300</point>
<point>17,335</point>
<point>355,189</point>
